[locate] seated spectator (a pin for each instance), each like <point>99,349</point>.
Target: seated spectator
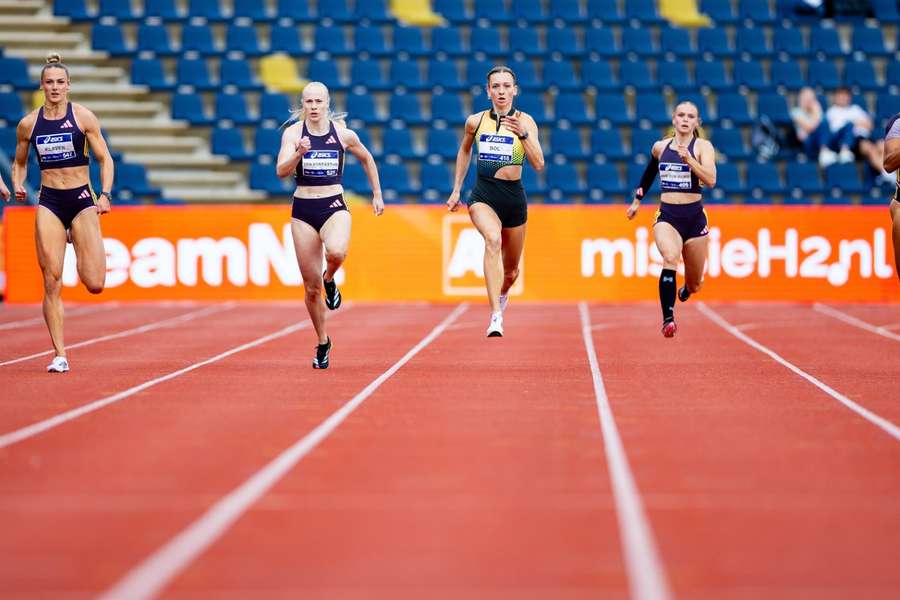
<point>809,123</point>
<point>850,128</point>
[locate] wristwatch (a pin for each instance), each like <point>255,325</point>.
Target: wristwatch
<point>107,194</point>
<point>524,136</point>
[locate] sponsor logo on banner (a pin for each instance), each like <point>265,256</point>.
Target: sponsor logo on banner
<point>463,259</point>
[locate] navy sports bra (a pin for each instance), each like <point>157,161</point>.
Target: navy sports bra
<point>323,163</point>
<point>674,174</point>
<point>59,143</point>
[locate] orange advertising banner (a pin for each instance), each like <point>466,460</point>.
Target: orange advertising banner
<point>425,253</point>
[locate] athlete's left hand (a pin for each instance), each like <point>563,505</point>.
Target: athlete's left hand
<point>513,124</point>
<point>4,191</point>
<point>378,205</point>
<point>102,205</point>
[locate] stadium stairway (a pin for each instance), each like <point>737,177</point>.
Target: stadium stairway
<point>134,120</point>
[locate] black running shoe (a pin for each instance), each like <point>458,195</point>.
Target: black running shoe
<point>332,294</point>
<point>323,351</point>
<point>683,293</point>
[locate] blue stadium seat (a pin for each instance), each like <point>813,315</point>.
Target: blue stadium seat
<point>406,108</point>
<point>869,40</point>
<point>756,11</point>
<point>262,177</point>
<point>570,106</point>
<point>361,105</point>
<point>712,74</point>
<point>773,106</point>
<point>605,11</point>
<point>198,38</point>
<point>787,74</point>
<point>676,42</point>
<point>642,140</point>
<point>370,38</point>
<point>274,106</point>
<point>714,41</point>
<point>843,177</point>
<point>121,11</point>
<point>449,41</point>
<point>447,107</point>
<point>892,73</point>
<point>189,107</point>
<point>643,11</point>
<point>164,9</point>
<point>567,142</point>
<point>564,183</point>
<point>789,41</point>
<point>598,75</point>
<point>355,178</point>
<point>452,10</point>
<point>610,107</point>
<point>74,9</point>
<point>286,39</point>
<point>674,74</point>
<point>604,177</point>
<point>336,10</point>
<point>730,142</point>
<point>253,10</point>
<point>728,180</point>
<point>732,107</point>
<point>442,142</point>
<point>568,11</point>
<point>406,73</point>
<point>561,41</point>
<point>267,141</point>
<point>331,39</point>
<point>477,70</point>
<point>637,40</point>
<point>763,179</point>
<point>651,107</point>
<point>443,74</point>
<point>886,11</point>
<point>395,179</point>
<point>530,11</point>
<point>326,71</point>
<point>532,182</point>
<point>210,10</point>
<point>437,181</point>
<point>887,105</point>
<point>409,40</point>
<point>233,107</point>
<point>236,72</point>
<point>526,75</point>
<point>752,41</point>
<point>194,72</point>
<point>133,177</point>
<point>11,109</point>
<point>227,141</point>
<point>823,73</point>
<point>375,11</point>
<point>607,142</point>
<point>8,141</point>
<point>154,38</point>
<point>560,74</point>
<point>749,74</point>
<point>720,11</point>
<point>802,179</point>
<point>534,105</point>
<point>860,74</point>
<point>493,11</point>
<point>14,72</point>
<point>295,11</point>
<point>636,74</point>
<point>600,42</point>
<point>367,72</point>
<point>825,40</point>
<point>242,38</point>
<point>486,40</point>
<point>109,38</point>
<point>526,41</point>
<point>149,72</point>
<point>633,174</point>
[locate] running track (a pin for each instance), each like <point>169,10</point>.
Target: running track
<point>193,453</point>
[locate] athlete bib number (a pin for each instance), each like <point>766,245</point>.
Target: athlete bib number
<point>321,163</point>
<point>55,147</point>
<point>496,148</point>
<point>674,177</point>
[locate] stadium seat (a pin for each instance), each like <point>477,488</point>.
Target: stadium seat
<point>730,142</point>
<point>409,41</point>
<point>331,39</point>
<point>676,42</point>
<point>164,9</point>
<point>109,38</point>
<point>395,179</point>
<point>267,141</point>
<point>477,70</point>
<point>597,75</point>
<point>531,181</point>
<point>802,179</point>
<point>155,39</point>
<point>752,41</point>
<point>210,10</point>
<point>367,72</point>
<point>447,107</point>
<point>11,109</point>
<point>198,38</point>
<point>600,42</point>
<point>442,142</point>
<point>714,42</point>
<point>228,141</point>
<point>242,38</point>
<point>295,11</point>
<point>492,11</point>
<point>406,108</point>
<point>869,40</point>
<point>403,72</point>
<point>604,177</point>
<point>610,107</point>
<point>634,171</point>
<point>570,106</point>
<point>326,71</point>
<point>720,11</point>
<point>274,106</point>
<point>711,74</point>
<point>526,41</point>
<point>120,11</point>
<point>650,107</point>
<point>336,10</point>
<point>237,72</point>
<point>733,107</point>
<point>233,107</point>
<point>604,11</point>
<point>361,105</point>
<point>262,177</point>
<point>886,106</point>
<point>14,72</point>
<point>532,104</point>
<point>448,40</point>
<point>560,74</point>
<point>789,41</point>
<point>728,180</point>
<point>370,39</point>
<point>486,40</point>
<point>529,11</point>
<point>763,179</point>
<point>452,10</point>
<point>567,142</point>
<point>526,75</point>
<point>674,74</point>
<point>787,74</point>
<point>568,11</point>
<point>635,74</point>
<point>564,183</point>
<point>375,11</point>
<point>437,181</point>
<point>749,74</point>
<point>758,12</point>
<point>133,177</point>
<point>643,11</point>
<point>773,106</point>
<point>561,41</point>
<point>254,10</point>
<point>149,72</point>
<point>189,107</point>
<point>642,140</point>
<point>74,9</point>
<point>443,74</point>
<point>823,73</point>
<point>607,142</point>
<point>886,11</point>
<point>285,38</point>
<point>825,40</point>
<point>194,72</point>
<point>637,40</point>
<point>860,75</point>
<point>843,177</point>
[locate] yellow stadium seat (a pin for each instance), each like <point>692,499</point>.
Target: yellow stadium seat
<point>683,13</point>
<point>416,12</point>
<point>279,72</point>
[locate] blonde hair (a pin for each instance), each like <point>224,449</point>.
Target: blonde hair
<point>54,61</point>
<point>698,130</point>
<point>299,114</point>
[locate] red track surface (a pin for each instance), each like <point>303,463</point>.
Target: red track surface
<point>476,471</point>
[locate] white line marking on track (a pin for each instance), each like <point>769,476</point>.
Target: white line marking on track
<point>892,429</point>
<point>74,312</point>
<point>147,579</point>
<point>850,319</point>
<point>646,574</point>
<point>196,314</point>
<point>19,435</point>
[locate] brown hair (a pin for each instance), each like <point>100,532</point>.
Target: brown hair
<point>54,61</point>
<point>501,69</point>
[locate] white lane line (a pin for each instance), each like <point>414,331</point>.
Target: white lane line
<point>196,314</point>
<point>646,574</point>
<point>850,319</point>
<point>892,429</point>
<point>148,578</point>
<point>24,433</point>
<point>74,312</point>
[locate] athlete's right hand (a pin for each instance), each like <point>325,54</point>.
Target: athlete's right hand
<point>4,191</point>
<point>21,194</point>
<point>632,210</point>
<point>303,145</point>
<point>453,202</point>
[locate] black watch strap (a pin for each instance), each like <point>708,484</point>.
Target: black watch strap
<point>524,136</point>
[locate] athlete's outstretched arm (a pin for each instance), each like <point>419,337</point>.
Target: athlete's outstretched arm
<point>100,150</point>
<point>20,162</point>
<point>358,149</point>
<point>463,158</point>
<point>647,180</point>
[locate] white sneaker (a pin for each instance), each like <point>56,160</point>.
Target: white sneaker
<point>504,300</point>
<point>59,365</point>
<point>827,157</point>
<point>495,329</point>
<point>846,155</point>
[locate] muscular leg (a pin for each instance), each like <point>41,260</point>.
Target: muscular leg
<point>488,225</point>
<point>695,251</point>
<point>50,240</point>
<point>512,244</point>
<point>335,234</point>
<point>308,246</point>
<point>669,243</point>
<point>89,250</point>
<point>895,216</point>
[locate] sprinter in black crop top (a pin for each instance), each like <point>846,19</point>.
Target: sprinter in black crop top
<point>60,132</point>
<point>686,164</point>
<point>891,164</point>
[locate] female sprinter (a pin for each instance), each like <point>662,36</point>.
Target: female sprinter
<point>60,132</point>
<point>498,206</point>
<point>685,162</point>
<point>891,164</point>
<point>313,150</point>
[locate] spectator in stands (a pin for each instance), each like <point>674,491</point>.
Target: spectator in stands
<point>890,164</point>
<point>60,132</point>
<point>4,191</point>
<point>312,149</point>
<point>850,128</point>
<point>809,122</point>
<point>498,206</point>
<point>686,164</point>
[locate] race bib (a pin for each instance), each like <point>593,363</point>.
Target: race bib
<point>674,177</point>
<point>55,147</point>
<point>497,148</point>
<point>321,163</point>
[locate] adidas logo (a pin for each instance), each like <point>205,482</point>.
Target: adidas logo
<point>67,125</point>
<point>336,204</point>
<point>331,140</point>
<point>84,194</point>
